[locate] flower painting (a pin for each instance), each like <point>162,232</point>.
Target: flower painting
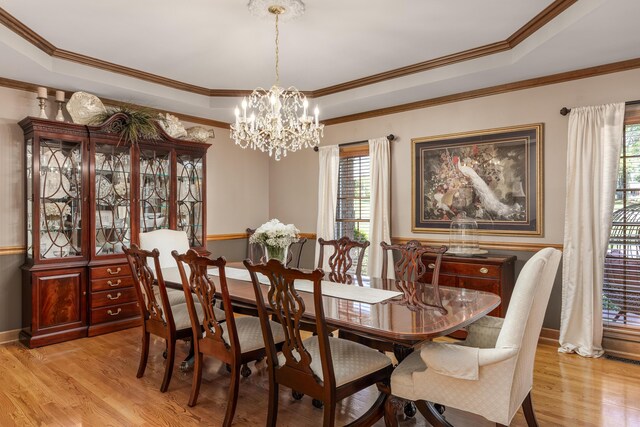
<point>491,176</point>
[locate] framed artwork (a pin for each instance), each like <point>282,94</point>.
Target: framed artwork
<point>493,176</point>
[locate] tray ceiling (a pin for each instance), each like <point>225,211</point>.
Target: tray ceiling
<point>164,54</point>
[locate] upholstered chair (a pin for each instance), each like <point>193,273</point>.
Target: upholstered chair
<point>327,369</point>
<point>159,317</point>
<point>491,372</point>
<point>235,341</point>
<point>166,241</point>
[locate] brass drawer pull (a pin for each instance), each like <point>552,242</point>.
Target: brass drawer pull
<point>113,285</point>
<point>484,270</point>
<point>119,294</point>
<point>432,266</point>
<point>113,273</point>
<point>111,313</point>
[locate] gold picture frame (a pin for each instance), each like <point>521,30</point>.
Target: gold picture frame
<point>494,176</point>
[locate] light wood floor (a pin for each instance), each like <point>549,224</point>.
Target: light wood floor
<point>91,382</point>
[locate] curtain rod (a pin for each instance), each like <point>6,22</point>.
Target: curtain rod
<point>564,110</point>
<point>390,137</point>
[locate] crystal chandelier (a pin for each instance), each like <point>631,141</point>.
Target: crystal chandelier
<point>276,120</point>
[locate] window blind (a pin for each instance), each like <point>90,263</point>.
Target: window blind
<point>621,289</point>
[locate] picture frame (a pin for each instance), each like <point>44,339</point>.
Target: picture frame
<point>494,176</point>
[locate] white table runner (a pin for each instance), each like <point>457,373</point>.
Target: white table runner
<point>330,289</point>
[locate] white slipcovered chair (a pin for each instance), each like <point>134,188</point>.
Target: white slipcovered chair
<point>166,241</point>
<point>491,372</point>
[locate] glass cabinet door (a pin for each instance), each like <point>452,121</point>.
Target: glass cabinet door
<point>60,197</point>
<point>189,176</point>
<point>154,189</point>
<point>112,196</point>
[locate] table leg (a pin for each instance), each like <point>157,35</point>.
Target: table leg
<point>432,414</point>
<point>187,364</point>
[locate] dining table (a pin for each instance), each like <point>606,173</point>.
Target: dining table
<point>398,312</point>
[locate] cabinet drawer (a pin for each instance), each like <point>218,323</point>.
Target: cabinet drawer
<point>113,296</point>
<point>469,269</point>
<point>443,279</point>
<point>114,312</point>
<point>113,283</point>
<point>115,270</point>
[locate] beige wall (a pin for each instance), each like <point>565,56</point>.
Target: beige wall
<point>293,182</point>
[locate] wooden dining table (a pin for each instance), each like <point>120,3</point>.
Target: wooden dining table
<point>419,313</point>
<point>405,320</point>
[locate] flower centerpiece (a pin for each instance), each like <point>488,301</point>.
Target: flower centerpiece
<point>275,237</point>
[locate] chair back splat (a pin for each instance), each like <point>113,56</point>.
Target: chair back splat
<point>340,262</point>
<point>410,265</point>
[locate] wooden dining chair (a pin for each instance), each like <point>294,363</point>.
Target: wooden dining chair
<point>327,369</point>
<point>236,342</point>
<point>159,316</point>
<point>410,265</point>
<point>341,261</point>
<point>255,251</point>
<point>295,253</point>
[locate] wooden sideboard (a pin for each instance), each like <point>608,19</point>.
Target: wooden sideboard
<point>491,274</point>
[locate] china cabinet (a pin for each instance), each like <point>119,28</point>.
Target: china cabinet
<point>88,195</point>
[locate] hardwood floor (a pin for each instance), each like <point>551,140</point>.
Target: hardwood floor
<point>91,382</point>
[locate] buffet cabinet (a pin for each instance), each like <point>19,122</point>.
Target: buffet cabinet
<point>490,274</point>
<point>88,195</point>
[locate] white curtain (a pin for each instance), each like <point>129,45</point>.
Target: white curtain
<point>327,196</point>
<point>593,152</point>
<point>380,220</point>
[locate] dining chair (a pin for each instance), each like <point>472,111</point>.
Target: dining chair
<point>491,372</point>
<point>159,316</point>
<point>341,261</point>
<point>410,265</point>
<point>236,341</point>
<point>294,254</point>
<point>165,241</point>
<point>327,369</point>
<point>255,251</point>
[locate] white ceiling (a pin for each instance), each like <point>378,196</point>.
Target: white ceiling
<point>218,44</point>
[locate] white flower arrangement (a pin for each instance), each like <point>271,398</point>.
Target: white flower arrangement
<point>56,209</point>
<point>275,234</point>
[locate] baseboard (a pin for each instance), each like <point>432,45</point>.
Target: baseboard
<point>549,336</point>
<point>9,336</point>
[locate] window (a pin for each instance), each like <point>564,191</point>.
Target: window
<point>621,290</point>
<point>354,192</point>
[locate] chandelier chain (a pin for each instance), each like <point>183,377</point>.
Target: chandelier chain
<point>277,51</point>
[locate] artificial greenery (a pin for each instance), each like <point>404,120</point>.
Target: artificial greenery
<point>138,122</point>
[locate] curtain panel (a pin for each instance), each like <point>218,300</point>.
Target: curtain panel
<point>329,158</point>
<point>593,151</point>
<point>380,219</point>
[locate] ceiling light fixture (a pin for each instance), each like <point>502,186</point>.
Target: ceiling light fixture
<point>277,120</point>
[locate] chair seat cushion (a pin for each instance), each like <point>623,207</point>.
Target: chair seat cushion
<point>351,360</point>
<point>250,333</point>
<point>181,315</point>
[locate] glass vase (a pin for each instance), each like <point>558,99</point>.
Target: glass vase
<point>276,252</point>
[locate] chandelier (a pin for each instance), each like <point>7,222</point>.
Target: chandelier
<point>276,120</point>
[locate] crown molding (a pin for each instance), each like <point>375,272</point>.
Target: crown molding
<point>537,22</point>
<point>584,73</point>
